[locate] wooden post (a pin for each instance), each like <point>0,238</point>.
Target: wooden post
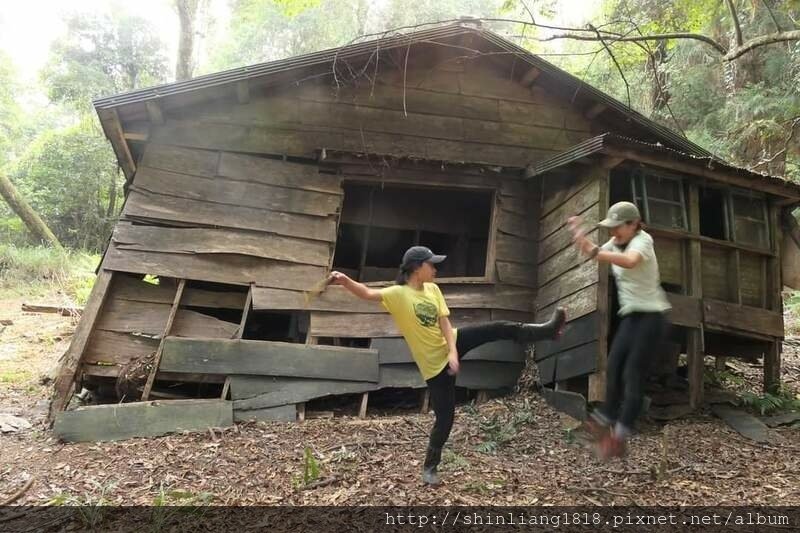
<point>694,340</point>
<point>426,400</point>
<point>597,380</point>
<point>62,388</point>
<point>301,412</point>
<point>362,411</point>
<point>772,367</point>
<point>151,378</point>
<point>482,396</point>
<point>245,313</point>
<point>226,388</point>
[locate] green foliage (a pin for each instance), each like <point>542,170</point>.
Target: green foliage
<point>103,55</point>
<point>70,178</point>
<point>9,111</point>
<point>497,432</point>
<point>310,470</point>
<point>768,404</point>
<point>24,269</point>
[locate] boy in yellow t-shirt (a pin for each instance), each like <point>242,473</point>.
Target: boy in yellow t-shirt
<point>421,315</point>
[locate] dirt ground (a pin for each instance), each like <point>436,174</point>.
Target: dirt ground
<point>508,451</point>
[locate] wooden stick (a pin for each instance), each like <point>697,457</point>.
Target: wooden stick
<point>17,495</point>
<point>170,319</point>
<point>314,292</point>
<point>362,412</point>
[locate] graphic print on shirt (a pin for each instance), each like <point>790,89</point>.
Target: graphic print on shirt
<point>426,313</point>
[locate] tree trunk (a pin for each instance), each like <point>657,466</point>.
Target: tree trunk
<point>187,13</point>
<point>32,220</point>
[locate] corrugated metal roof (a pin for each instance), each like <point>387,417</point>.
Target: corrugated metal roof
<point>612,140</point>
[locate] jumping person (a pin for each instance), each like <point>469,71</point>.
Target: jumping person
<point>643,304</point>
<point>421,314</point>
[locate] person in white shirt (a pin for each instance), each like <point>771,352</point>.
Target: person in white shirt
<point>643,305</point>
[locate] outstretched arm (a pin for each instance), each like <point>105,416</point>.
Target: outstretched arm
<point>627,259</point>
<point>358,289</point>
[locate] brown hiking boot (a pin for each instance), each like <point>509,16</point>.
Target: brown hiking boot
<point>611,446</point>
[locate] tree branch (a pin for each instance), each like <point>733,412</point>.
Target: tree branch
<point>634,38</point>
<point>772,16</point>
<point>737,28</point>
<point>763,40</point>
<point>614,59</point>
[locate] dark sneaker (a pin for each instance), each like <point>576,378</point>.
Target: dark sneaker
<point>430,477</point>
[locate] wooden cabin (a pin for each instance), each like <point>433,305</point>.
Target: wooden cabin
<point>246,187</point>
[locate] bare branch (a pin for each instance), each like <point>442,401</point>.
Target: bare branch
<point>614,59</point>
<point>676,35</point>
<point>763,40</point>
<point>737,28</point>
<point>772,16</point>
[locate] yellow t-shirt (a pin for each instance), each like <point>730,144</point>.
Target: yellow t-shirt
<point>416,313</point>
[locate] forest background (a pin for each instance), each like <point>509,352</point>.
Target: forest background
<point>724,73</point>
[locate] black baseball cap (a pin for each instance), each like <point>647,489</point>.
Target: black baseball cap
<point>420,254</point>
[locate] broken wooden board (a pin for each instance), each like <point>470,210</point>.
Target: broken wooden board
<point>480,375</point>
<point>744,423</point>
<point>400,375</point>
<point>285,413</point>
<point>781,420</point>
<point>395,350</point>
<point>255,392</point>
<point>570,403</point>
<point>142,419</point>
<point>267,358</point>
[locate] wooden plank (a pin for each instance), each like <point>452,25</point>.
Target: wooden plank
<point>237,193</point>
<point>562,262</point>
<point>362,410</point>
<point>579,331</point>
<point>395,350</point>
<point>220,268</point>
<point>400,376</point>
<point>132,288</point>
<point>283,413</point>
<point>257,392</point>
<point>243,91</point>
<point>695,283</point>
<point>562,237</point>
<point>597,380</point>
<point>278,172</point>
<point>714,268</point>
<point>520,274</point>
<point>337,299</point>
<point>220,241</point>
<point>151,378</point>
<point>578,203</point>
<point>695,356</point>
<point>109,347</point>
<point>782,419</point>
<point>569,282</point>
<point>576,304</point>
<point>513,224</point>
<point>743,318</point>
<point>743,423</point>
<point>109,119</point>
<point>126,316</point>
<point>266,358</point>
<point>514,204</point>
<point>577,361</point>
<point>141,419</point>
<point>488,374</point>
<point>515,249</point>
<point>143,204</point>
<point>570,403</point>
<point>686,310</point>
<point>154,113</point>
<point>557,189</point>
<point>183,160</point>
<point>66,373</point>
<point>547,370</point>
<point>669,254</point>
<point>752,279</point>
<point>325,324</point>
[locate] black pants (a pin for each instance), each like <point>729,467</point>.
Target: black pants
<point>442,387</point>
<point>639,336</point>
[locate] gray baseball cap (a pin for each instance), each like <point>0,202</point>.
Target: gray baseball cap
<point>620,213</point>
<point>421,254</point>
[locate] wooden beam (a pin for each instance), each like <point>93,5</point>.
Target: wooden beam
<point>743,318</point>
<point>426,400</point>
<point>594,111</point>
<point>115,133</point>
<point>243,92</point>
<point>141,419</point>
<point>62,388</point>
<point>362,410</point>
<point>772,367</point>
<point>610,162</point>
<point>248,303</point>
<point>597,380</point>
<point>787,191</point>
<point>529,78</point>
<point>154,113</point>
<point>695,351</point>
<point>151,378</point>
<point>137,131</point>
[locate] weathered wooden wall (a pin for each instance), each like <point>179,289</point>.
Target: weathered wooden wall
<point>565,279</point>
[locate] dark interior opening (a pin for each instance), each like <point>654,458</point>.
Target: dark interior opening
<point>619,189</point>
<point>712,213</point>
<point>280,327</point>
<point>379,222</point>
